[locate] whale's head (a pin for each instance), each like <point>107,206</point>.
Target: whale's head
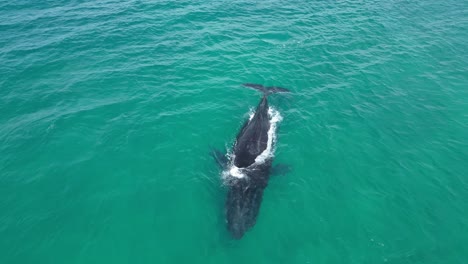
<point>242,206</point>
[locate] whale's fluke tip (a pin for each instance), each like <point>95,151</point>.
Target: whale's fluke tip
<point>266,90</point>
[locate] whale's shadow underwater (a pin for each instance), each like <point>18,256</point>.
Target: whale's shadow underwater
<point>247,169</point>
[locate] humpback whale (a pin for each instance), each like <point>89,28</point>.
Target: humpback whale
<point>247,169</point>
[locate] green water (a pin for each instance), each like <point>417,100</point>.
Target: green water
<point>108,110</point>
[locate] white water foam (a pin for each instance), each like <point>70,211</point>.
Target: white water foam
<point>233,170</point>
<point>275,118</point>
<point>251,113</point>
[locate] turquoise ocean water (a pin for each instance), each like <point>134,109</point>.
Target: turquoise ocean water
<point>108,110</point>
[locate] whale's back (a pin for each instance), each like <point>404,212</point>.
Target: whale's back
<point>252,140</point>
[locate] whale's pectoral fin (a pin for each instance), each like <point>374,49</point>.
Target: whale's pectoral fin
<point>220,158</point>
<point>281,169</point>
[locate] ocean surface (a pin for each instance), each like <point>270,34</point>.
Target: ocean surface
<point>109,109</point>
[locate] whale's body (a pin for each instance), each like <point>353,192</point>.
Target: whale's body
<point>249,169</point>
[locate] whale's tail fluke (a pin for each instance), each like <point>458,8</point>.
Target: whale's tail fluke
<point>266,90</point>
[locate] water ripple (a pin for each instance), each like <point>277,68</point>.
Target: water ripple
<point>108,110</point>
